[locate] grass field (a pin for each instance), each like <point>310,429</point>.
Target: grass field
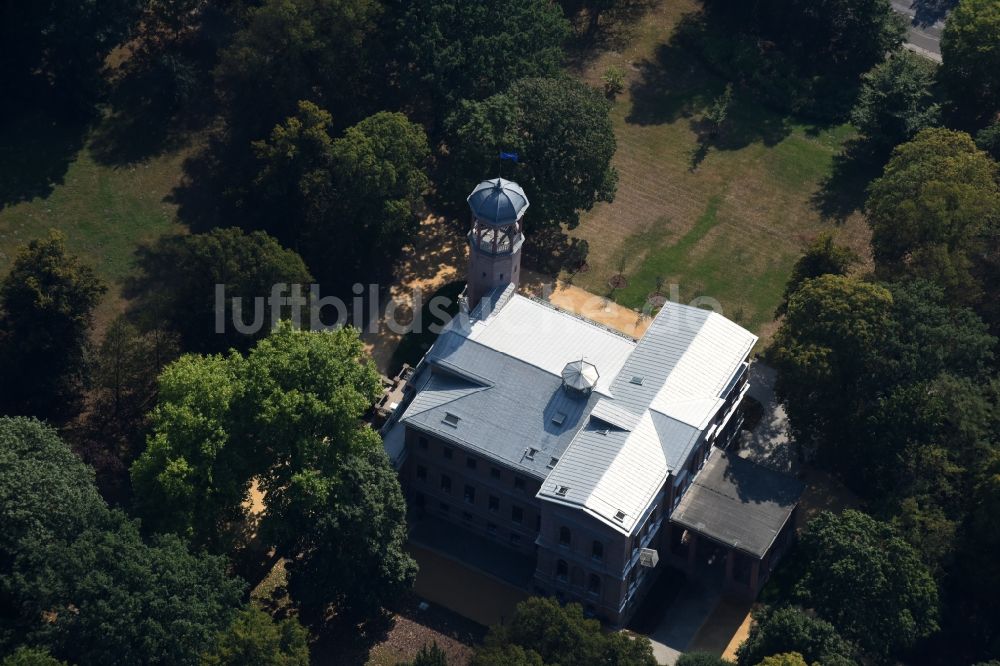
<point>50,179</point>
<point>724,218</point>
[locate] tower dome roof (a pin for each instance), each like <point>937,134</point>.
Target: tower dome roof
<point>498,202</point>
<point>580,376</point>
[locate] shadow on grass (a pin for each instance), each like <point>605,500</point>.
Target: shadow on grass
<point>677,84</point>
<point>36,150</point>
<point>673,85</point>
<point>124,137</point>
<point>596,30</point>
<point>844,191</point>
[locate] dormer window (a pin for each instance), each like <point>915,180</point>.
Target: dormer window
<point>530,453</point>
<point>451,419</point>
<point>620,516</point>
<point>637,380</point>
<point>562,490</point>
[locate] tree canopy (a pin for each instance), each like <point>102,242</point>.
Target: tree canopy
<point>806,55</point>
<point>292,50</point>
<point>254,638</point>
<point>934,211</point>
<point>221,420</point>
<point>822,257</point>
<point>348,203</point>
<point>286,416</point>
<point>175,286</point>
<point>57,47</point>
<point>450,50</point>
<point>970,50</point>
<point>351,535</point>
<point>896,100</point>
<point>562,133</point>
<point>47,303</point>
<point>868,582</point>
<point>78,579</point>
<point>544,632</point>
<point>790,629</point>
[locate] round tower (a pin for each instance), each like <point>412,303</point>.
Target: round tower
<point>496,237</point>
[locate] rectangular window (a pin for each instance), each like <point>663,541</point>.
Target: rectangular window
<point>421,472</point>
<point>448,452</point>
<point>491,529</point>
<point>494,504</point>
<point>517,514</point>
<point>466,516</point>
<point>470,462</point>
<point>495,472</point>
<point>446,483</point>
<point>519,483</point>
<point>444,507</point>
<point>470,495</point>
<point>422,443</point>
<point>515,539</point>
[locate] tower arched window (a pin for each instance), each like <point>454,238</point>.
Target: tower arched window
<point>594,584</point>
<point>562,570</point>
<point>597,551</point>
<point>565,538</point>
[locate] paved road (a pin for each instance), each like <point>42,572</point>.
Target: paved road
<point>925,40</point>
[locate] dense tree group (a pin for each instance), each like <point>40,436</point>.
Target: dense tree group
<point>286,416</point>
<point>77,577</point>
<point>543,632</point>
<point>47,303</point>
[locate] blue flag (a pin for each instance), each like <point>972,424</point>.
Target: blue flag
<point>508,156</point>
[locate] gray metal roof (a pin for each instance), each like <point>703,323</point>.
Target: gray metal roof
<point>494,385</point>
<point>498,202</point>
<point>510,408</point>
<point>738,503</point>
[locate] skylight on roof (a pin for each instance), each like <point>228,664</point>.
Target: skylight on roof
<point>558,418</point>
<point>620,516</point>
<point>562,490</point>
<point>530,453</point>
<point>552,462</point>
<point>636,379</point>
<point>451,419</point>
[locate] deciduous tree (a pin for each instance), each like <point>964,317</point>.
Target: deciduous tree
<point>970,49</point>
<point>868,582</point>
<point>254,638</point>
<point>896,101</point>
<point>933,213</point>
<point>822,257</point>
<point>562,133</point>
<point>348,203</point>
<point>450,50</point>
<point>544,632</point>
<point>47,303</point>
<point>790,629</point>
<point>176,286</point>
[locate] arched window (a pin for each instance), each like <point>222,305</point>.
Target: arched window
<point>597,551</point>
<point>594,584</point>
<point>562,570</point>
<point>565,538</point>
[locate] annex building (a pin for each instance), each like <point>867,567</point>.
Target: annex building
<point>596,457</point>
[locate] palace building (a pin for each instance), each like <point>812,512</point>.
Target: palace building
<point>580,457</point>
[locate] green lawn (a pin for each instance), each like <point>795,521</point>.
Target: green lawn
<point>49,179</point>
<point>723,218</point>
